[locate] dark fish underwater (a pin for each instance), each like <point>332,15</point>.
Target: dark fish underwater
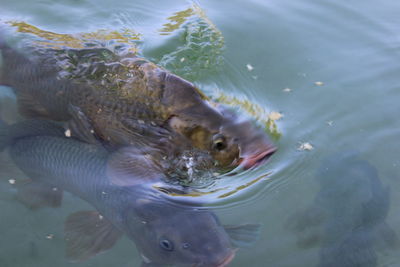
<point>124,99</point>
<point>347,218</point>
<point>165,232</point>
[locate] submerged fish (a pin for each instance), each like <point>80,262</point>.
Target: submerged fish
<point>348,215</point>
<point>124,99</point>
<point>165,232</point>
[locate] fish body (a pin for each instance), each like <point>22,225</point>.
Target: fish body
<point>124,99</point>
<point>348,214</point>
<point>165,232</point>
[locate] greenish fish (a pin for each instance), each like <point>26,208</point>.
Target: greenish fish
<point>124,99</point>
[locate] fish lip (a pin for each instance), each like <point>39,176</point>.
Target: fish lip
<point>256,159</point>
<point>222,263</point>
<point>227,259</point>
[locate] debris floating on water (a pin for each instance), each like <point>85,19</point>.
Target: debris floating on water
<point>274,115</point>
<point>249,67</point>
<point>330,123</point>
<point>182,59</point>
<point>49,236</point>
<point>12,181</point>
<point>305,146</point>
<point>319,83</point>
<point>67,133</point>
<point>287,90</point>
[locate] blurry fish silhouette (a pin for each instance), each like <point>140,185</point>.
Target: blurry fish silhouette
<point>124,99</point>
<point>165,232</point>
<point>348,215</point>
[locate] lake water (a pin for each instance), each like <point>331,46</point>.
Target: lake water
<point>331,68</point>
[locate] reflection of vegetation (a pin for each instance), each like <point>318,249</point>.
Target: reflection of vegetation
<point>197,193</point>
<point>191,193</point>
<point>176,21</point>
<point>81,40</point>
<point>241,187</point>
<point>202,44</point>
<point>254,110</point>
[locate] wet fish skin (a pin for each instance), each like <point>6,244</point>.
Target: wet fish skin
<point>143,214</point>
<point>33,127</point>
<point>15,66</point>
<point>126,99</point>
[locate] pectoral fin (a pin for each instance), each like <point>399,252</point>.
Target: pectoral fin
<point>87,233</point>
<point>307,225</point>
<point>130,166</point>
<point>243,235</point>
<point>35,195</point>
<point>302,220</point>
<point>80,126</point>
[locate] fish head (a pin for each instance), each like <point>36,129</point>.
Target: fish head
<point>252,144</point>
<point>230,140</point>
<point>179,236</point>
<point>213,128</point>
<point>345,176</point>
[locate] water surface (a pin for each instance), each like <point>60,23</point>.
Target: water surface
<point>330,67</point>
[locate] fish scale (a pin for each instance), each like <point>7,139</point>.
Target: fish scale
<point>121,99</point>
<point>138,211</point>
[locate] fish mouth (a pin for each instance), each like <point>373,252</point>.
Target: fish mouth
<point>228,259</point>
<point>222,263</point>
<point>257,159</point>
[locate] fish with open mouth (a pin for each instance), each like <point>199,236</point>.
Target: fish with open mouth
<point>123,99</point>
<point>165,232</point>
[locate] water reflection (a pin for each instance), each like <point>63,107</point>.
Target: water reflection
<point>81,40</point>
<point>165,232</point>
<point>347,217</point>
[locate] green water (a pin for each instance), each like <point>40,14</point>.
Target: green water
<point>250,50</point>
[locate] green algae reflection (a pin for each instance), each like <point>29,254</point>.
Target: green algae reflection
<point>80,40</point>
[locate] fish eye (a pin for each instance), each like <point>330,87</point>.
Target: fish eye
<point>219,142</point>
<point>185,245</point>
<point>166,245</point>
